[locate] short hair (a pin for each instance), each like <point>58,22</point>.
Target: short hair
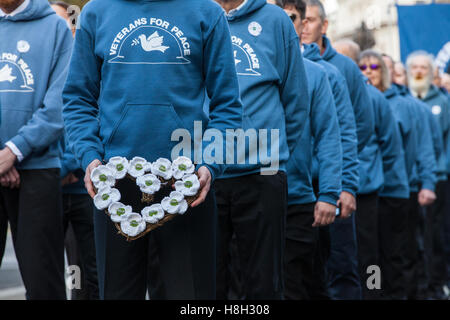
<point>354,48</point>
<point>385,74</point>
<point>62,4</point>
<point>318,4</point>
<point>421,53</point>
<point>300,5</point>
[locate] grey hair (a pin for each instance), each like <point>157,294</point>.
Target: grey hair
<point>385,74</point>
<point>421,53</point>
<point>318,4</point>
<point>354,48</point>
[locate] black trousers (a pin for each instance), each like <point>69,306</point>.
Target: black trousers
<point>434,242</point>
<point>394,243</point>
<point>447,231</point>
<point>301,246</point>
<point>253,207</point>
<point>412,249</point>
<point>34,214</point>
<point>3,234</point>
<point>367,235</point>
<point>80,244</point>
<point>185,249</point>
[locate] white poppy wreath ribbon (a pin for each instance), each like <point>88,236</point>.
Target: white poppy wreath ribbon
<point>149,177</point>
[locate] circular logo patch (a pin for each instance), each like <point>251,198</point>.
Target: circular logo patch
<point>254,28</point>
<point>23,46</point>
<point>436,110</point>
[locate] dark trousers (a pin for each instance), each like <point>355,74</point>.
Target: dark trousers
<point>447,231</point>
<point>434,242</point>
<point>80,244</point>
<point>412,248</point>
<point>393,246</point>
<point>34,214</point>
<point>184,247</point>
<point>252,207</point>
<point>368,240</point>
<point>301,245</point>
<point>3,234</point>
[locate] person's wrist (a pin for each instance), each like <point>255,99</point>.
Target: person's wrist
<point>11,155</point>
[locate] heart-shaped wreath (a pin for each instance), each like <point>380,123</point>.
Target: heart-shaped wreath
<point>150,178</point>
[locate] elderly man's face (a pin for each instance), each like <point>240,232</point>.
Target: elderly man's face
<point>295,16</point>
<point>420,68</point>
<point>314,27</point>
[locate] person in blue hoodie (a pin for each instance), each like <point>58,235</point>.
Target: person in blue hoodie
<point>376,70</point>
<point>420,67</point>
<point>321,139</point>
<point>139,71</point>
<point>33,65</point>
<point>342,266</point>
<point>252,197</point>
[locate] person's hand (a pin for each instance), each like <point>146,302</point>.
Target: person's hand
<point>324,214</point>
<point>87,177</point>
<point>7,159</point>
<point>347,202</point>
<point>426,197</point>
<point>10,179</point>
<point>205,184</point>
<point>69,179</point>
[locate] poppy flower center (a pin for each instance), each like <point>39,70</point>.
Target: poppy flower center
<point>119,167</point>
<point>152,213</point>
<point>134,223</point>
<point>105,197</point>
<point>103,177</point>
<point>182,167</point>
<point>173,202</point>
<point>148,183</point>
<point>139,167</point>
<point>188,184</point>
<point>120,212</point>
<point>162,168</point>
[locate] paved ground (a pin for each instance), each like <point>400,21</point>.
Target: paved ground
<point>11,285</point>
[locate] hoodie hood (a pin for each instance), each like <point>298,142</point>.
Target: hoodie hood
<point>329,50</point>
<point>36,9</point>
<point>249,7</point>
<point>312,52</point>
<point>433,92</point>
<point>391,92</point>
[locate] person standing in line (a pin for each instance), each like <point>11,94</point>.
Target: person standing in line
<point>251,197</point>
<point>33,69</point>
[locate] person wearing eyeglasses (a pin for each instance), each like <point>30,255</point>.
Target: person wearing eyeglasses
<point>372,65</point>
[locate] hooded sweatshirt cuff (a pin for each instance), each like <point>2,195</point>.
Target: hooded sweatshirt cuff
<point>328,198</point>
<point>88,157</point>
<point>213,170</point>
<point>428,185</point>
<point>22,145</point>
<point>349,190</point>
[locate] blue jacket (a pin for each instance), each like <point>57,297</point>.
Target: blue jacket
<point>33,68</point>
<point>321,138</point>
<point>439,104</point>
<point>357,89</point>
<point>346,118</point>
<point>388,151</point>
<point>272,79</point>
<point>69,164</point>
<point>405,118</point>
<point>140,71</point>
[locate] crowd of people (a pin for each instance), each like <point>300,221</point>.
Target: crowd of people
<point>357,210</point>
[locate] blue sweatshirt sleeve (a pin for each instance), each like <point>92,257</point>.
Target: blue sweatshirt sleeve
<point>362,108</point>
<point>426,160</point>
<point>327,142</point>
<point>68,161</point>
<point>294,92</point>
<point>80,97</point>
<point>46,124</point>
<point>349,140</point>
<point>222,86</point>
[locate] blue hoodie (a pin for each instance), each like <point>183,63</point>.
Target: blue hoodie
<point>392,181</point>
<point>358,92</point>
<point>405,118</point>
<point>346,117</point>
<point>140,70</point>
<point>272,78</point>
<point>33,68</point>
<point>439,104</point>
<point>322,128</point>
<point>69,164</point>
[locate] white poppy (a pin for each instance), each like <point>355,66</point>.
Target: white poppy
<point>138,166</point>
<point>175,203</point>
<point>105,197</point>
<point>102,177</point>
<point>188,186</point>
<point>149,183</point>
<point>119,211</point>
<point>153,213</point>
<point>119,167</point>
<point>163,168</point>
<point>133,224</point>
<point>182,166</point>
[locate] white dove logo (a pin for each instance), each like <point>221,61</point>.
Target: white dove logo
<point>6,74</point>
<point>153,42</point>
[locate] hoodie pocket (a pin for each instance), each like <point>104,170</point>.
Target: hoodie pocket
<point>144,130</point>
